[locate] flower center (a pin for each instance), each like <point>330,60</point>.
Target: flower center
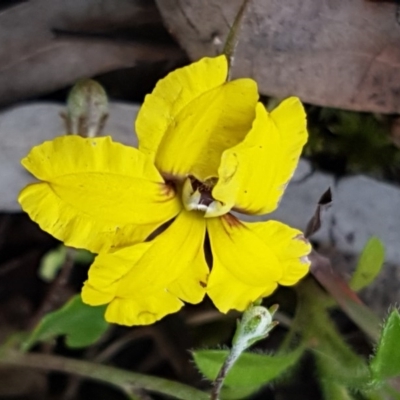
<point>197,195</point>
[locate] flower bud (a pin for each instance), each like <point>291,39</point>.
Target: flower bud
<point>256,323</point>
<point>87,109</point>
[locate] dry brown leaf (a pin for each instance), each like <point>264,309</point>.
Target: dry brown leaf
<point>336,53</point>
<point>49,44</point>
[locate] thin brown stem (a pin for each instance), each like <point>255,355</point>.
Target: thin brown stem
<point>233,35</point>
<point>337,287</point>
<point>53,295</point>
<point>219,380</point>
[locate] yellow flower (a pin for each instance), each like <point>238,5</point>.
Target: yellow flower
<point>206,147</point>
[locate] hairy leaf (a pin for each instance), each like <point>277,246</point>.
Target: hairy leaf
<point>250,371</point>
<point>386,362</point>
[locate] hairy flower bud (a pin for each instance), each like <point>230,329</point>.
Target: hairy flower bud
<point>256,323</point>
<point>87,109</point>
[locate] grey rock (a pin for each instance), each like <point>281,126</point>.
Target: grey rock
<point>365,207</point>
<point>301,198</point>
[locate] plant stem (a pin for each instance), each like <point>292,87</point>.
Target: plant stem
<point>358,312</point>
<point>233,36</point>
<point>125,380</point>
<point>219,380</point>
<point>52,299</point>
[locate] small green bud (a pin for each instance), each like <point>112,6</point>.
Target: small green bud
<point>87,109</point>
<point>256,323</point>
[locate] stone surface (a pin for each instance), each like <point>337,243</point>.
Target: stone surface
<point>301,198</point>
<point>365,207</point>
<point>362,207</point>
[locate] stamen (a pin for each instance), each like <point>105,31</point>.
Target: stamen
<point>197,195</point>
<point>204,189</point>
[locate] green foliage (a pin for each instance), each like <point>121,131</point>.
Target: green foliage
<point>334,391</point>
<point>333,132</point>
<point>369,264</point>
<point>375,396</point>
<point>83,256</point>
<point>340,370</point>
<point>52,262</point>
<point>81,324</point>
<point>238,393</point>
<point>386,361</point>
<point>249,373</point>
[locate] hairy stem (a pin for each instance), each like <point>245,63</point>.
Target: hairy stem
<point>219,380</point>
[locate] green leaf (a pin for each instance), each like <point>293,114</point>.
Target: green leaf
<point>386,362</point>
<point>51,263</point>
<point>54,260</point>
<point>238,393</point>
<point>369,264</point>
<point>334,391</point>
<point>82,256</point>
<point>81,324</point>
<point>373,395</point>
<point>250,371</point>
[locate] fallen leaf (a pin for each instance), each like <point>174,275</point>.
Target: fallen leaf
<point>335,53</point>
<point>49,44</point>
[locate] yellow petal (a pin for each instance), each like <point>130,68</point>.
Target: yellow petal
<point>244,267</point>
<point>136,277</point>
<point>254,174</point>
<point>211,123</point>
<point>228,292</point>
<point>107,270</point>
<point>290,246</point>
<point>142,310</point>
<point>96,193</point>
<point>172,94</point>
<point>250,259</point>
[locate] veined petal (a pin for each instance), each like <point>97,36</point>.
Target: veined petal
<point>253,175</point>
<point>235,245</point>
<point>96,193</point>
<point>172,94</point>
<point>211,123</point>
<point>142,278</point>
<point>250,259</point>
